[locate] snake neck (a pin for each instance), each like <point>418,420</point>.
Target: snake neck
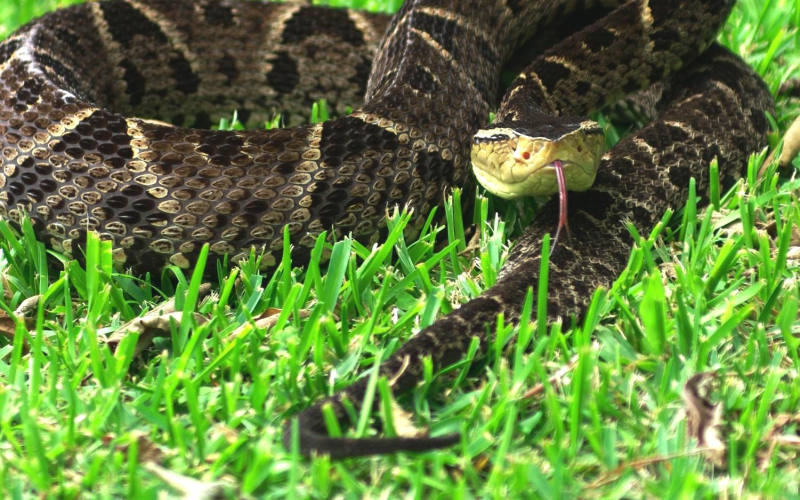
<point>474,40</point>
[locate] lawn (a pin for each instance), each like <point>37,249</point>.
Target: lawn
<point>593,409</point>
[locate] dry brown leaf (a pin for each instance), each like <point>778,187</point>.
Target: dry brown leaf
<point>615,474</point>
<point>473,245</point>
<point>703,419</point>
<point>777,437</point>
<point>148,327</point>
<point>265,321</point>
<point>403,423</point>
<point>147,450</point>
<point>790,88</point>
<point>269,312</point>
<point>187,487</point>
<point>8,328</point>
<point>7,294</point>
<point>668,271</point>
<point>228,434</point>
<point>793,257</point>
<point>481,462</point>
<point>539,388</point>
<point>791,147</point>
<point>730,230</point>
<point>155,323</point>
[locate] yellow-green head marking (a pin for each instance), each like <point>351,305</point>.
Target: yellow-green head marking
<point>538,157</point>
<point>514,161</point>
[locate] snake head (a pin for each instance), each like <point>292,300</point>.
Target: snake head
<point>517,158</point>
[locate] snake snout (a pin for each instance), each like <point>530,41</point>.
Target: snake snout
<point>511,164</point>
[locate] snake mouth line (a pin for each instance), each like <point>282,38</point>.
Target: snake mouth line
<point>557,167</point>
<point>553,171</point>
<point>510,165</point>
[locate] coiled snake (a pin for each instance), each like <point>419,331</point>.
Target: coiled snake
<point>75,160</point>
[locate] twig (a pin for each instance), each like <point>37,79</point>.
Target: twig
<point>539,388</point>
<point>639,464</point>
<point>791,147</point>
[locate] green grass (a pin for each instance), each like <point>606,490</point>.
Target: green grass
<point>712,290</point>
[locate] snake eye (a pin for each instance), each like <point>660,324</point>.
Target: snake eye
<point>526,155</point>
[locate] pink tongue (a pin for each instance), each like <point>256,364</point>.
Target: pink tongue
<point>562,196</point>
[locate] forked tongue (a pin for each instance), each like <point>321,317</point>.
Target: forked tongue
<point>562,197</point>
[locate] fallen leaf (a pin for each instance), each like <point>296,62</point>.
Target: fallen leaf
<point>730,230</point>
<point>481,462</point>
<point>149,327</point>
<point>8,328</point>
<point>269,312</point>
<point>793,257</point>
<point>778,437</point>
<point>147,450</point>
<point>473,245</point>
<point>790,88</point>
<point>155,323</point>
<point>403,424</point>
<point>187,487</point>
<point>265,321</point>
<point>791,147</point>
<point>616,473</point>
<point>557,376</point>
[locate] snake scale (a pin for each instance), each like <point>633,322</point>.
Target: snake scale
<point>76,160</point>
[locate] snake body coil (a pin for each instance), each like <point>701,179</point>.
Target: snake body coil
<point>75,160</point>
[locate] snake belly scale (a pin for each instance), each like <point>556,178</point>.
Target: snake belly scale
<point>76,159</point>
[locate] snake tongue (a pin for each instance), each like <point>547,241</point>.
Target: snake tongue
<point>562,196</point>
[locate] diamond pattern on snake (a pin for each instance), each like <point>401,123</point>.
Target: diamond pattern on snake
<point>85,93</point>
